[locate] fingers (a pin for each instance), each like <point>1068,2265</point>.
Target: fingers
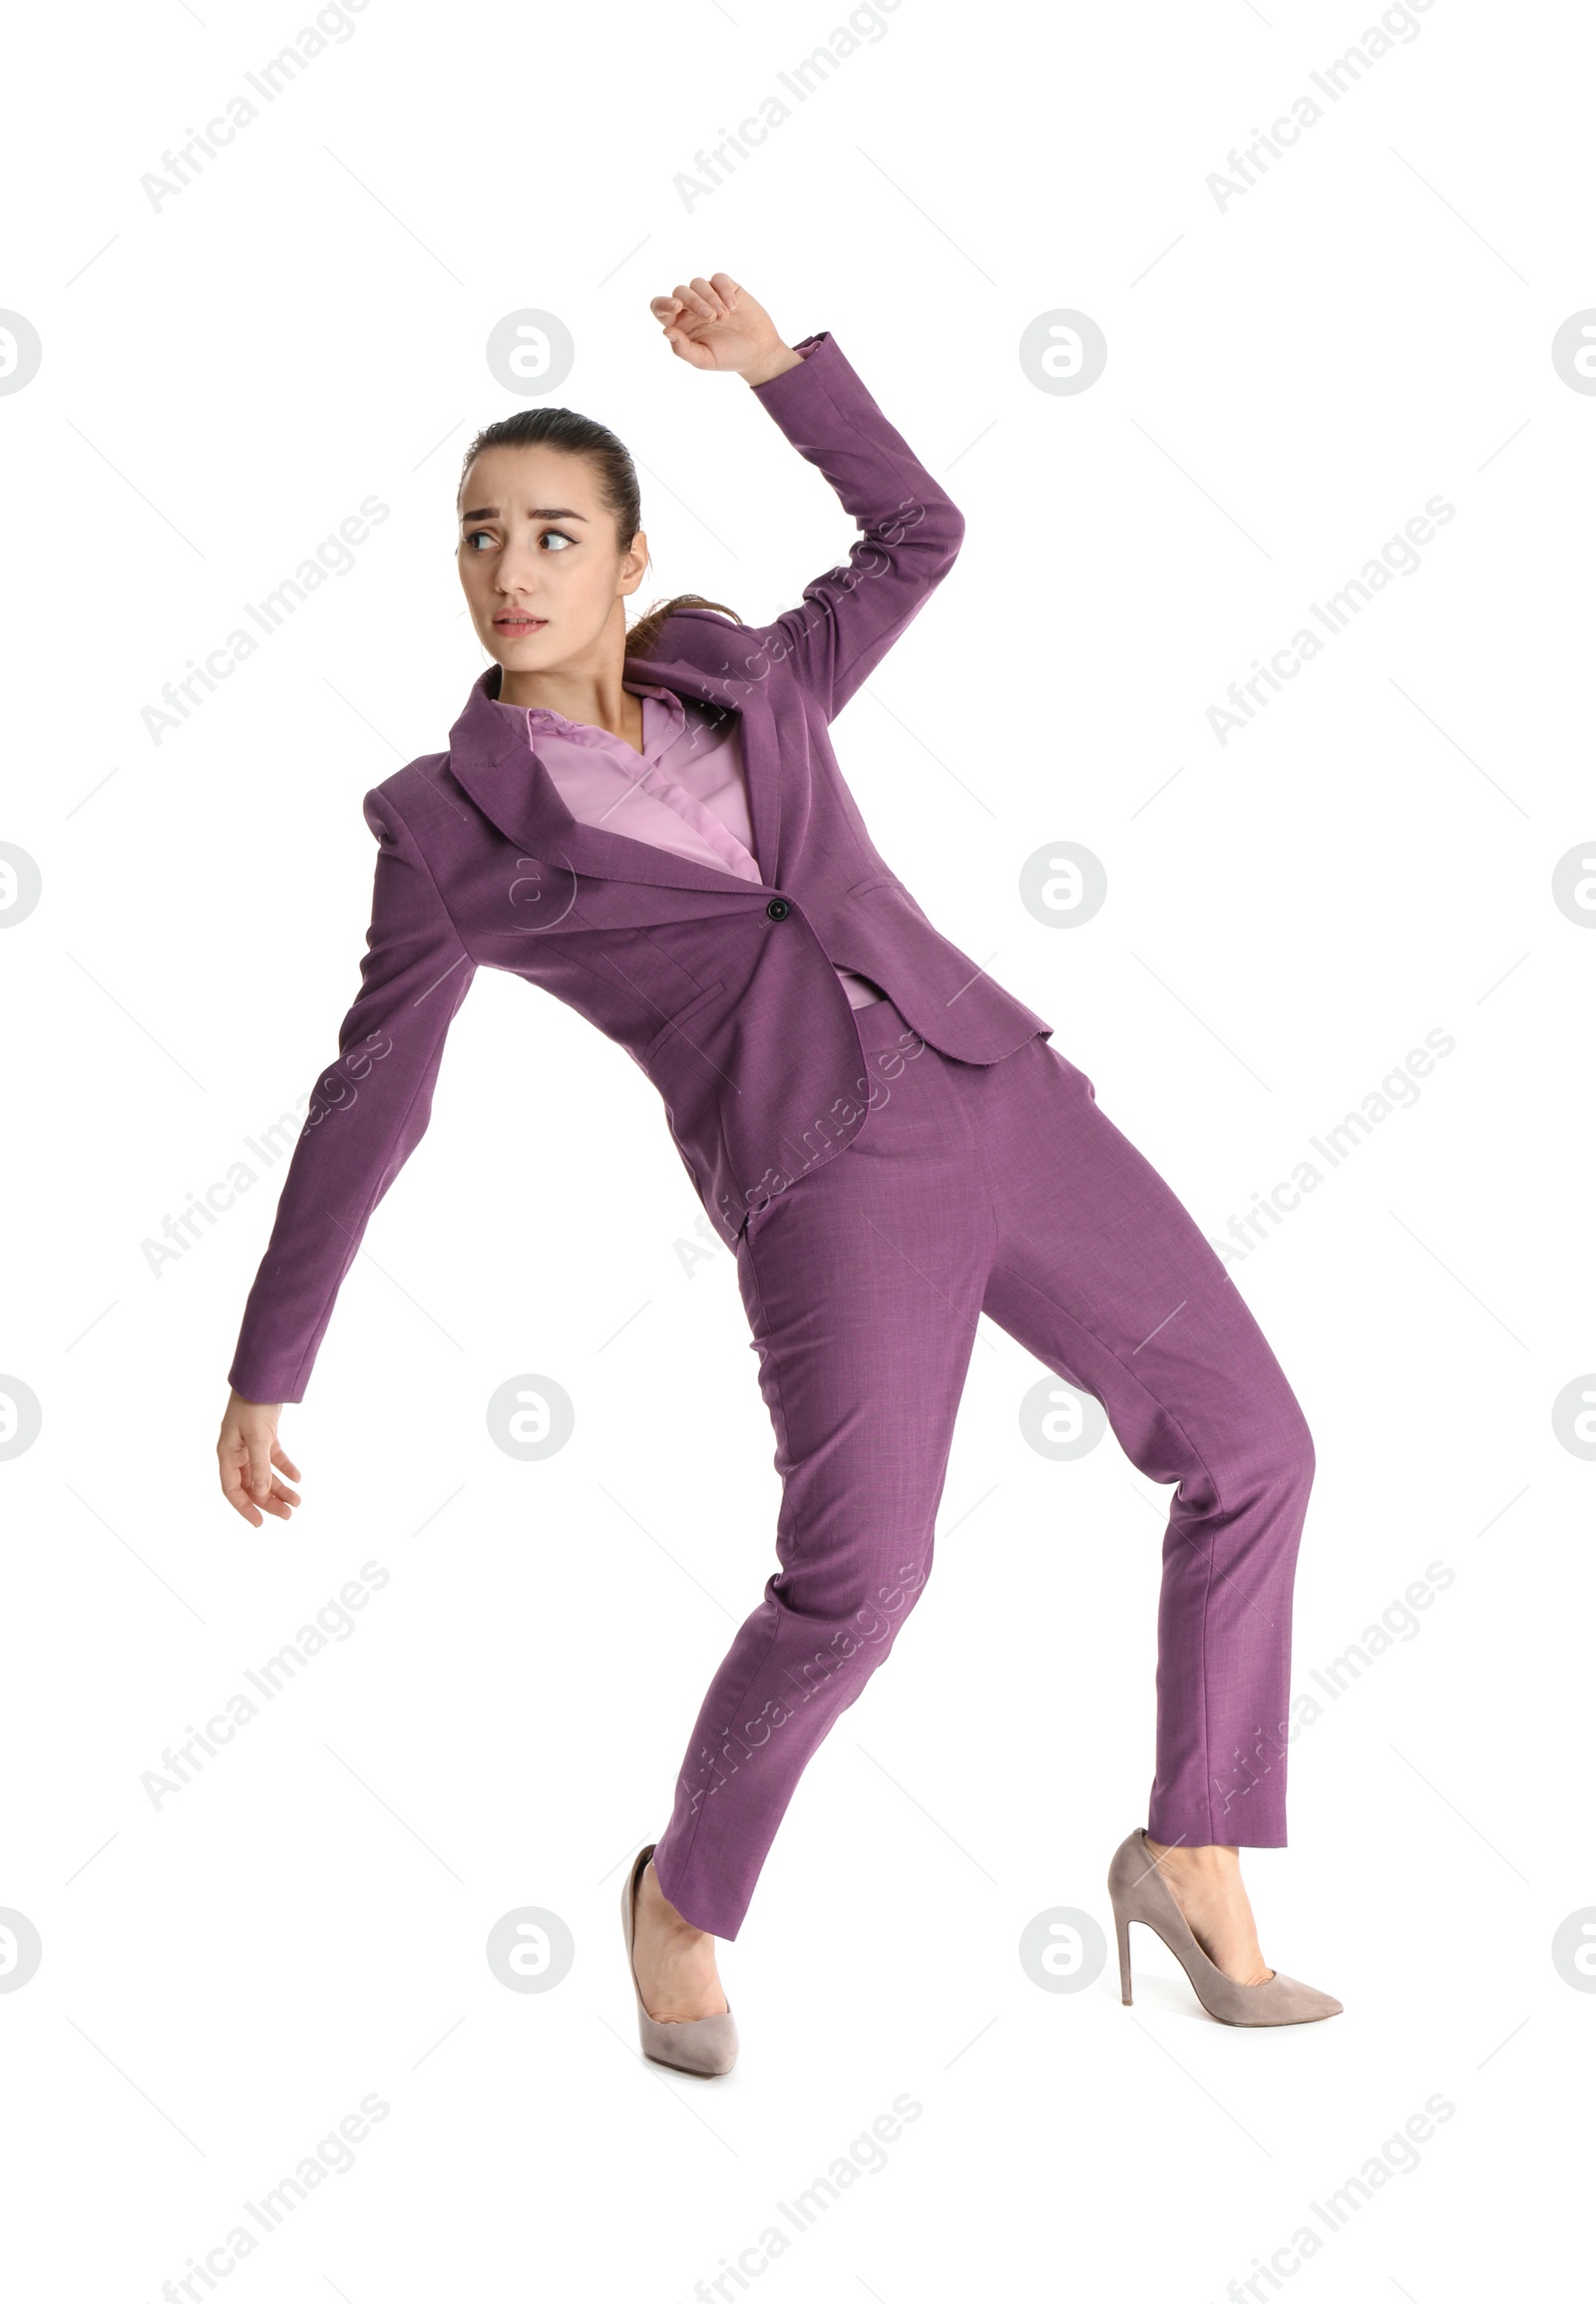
<point>234,1489</point>
<point>250,1457</point>
<point>709,290</point>
<point>694,306</point>
<point>714,299</point>
<point>279,1500</point>
<point>259,1454</point>
<point>282,1493</point>
<point>234,1486</point>
<point>668,310</point>
<point>701,299</point>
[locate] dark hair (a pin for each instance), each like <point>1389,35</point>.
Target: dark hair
<point>576,435</point>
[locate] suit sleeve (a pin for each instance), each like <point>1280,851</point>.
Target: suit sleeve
<point>367,1113</point>
<point>909,528</point>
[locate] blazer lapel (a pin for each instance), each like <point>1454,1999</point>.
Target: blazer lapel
<point>510,784</point>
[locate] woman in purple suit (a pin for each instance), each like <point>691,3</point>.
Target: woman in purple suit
<point>652,825</point>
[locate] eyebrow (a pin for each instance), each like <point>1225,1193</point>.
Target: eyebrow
<point>539,512</point>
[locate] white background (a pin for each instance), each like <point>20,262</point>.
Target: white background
<point>1289,380</point>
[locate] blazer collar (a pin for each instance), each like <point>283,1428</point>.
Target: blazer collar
<point>488,753</point>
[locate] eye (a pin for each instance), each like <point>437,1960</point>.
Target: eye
<point>477,536</point>
<point>555,535</point>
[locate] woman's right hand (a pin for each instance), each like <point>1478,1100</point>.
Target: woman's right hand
<point>250,1456</point>
<point>715,323</point>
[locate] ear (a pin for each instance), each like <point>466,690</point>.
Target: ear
<point>634,566</point>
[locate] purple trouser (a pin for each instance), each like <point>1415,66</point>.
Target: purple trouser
<point>998,1189</point>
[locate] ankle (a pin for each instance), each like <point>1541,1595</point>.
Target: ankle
<point>1213,1861</point>
<point>657,1908</point>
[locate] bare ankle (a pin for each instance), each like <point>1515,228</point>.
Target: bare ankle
<point>652,1900</point>
<point>674,1962</point>
<point>1214,1858</point>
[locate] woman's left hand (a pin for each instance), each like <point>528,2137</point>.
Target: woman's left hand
<point>714,324</point>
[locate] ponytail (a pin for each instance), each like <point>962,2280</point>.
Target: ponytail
<point>645,633</point>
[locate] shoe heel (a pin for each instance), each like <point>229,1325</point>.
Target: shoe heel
<point>1122,1931</point>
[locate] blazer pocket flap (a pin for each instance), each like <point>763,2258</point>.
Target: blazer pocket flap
<point>673,1024</point>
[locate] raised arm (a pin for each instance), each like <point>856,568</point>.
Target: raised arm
<point>367,1114</point>
<point>909,528</point>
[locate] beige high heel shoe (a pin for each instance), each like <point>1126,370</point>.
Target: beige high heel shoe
<point>1138,1891</point>
<point>705,2045</point>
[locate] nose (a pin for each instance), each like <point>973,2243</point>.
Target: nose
<point>516,574</point>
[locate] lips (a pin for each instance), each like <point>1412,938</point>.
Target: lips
<point>515,625</point>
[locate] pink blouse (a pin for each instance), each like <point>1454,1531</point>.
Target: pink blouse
<point>686,790</point>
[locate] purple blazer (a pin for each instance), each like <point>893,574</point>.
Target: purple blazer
<point>723,990</point>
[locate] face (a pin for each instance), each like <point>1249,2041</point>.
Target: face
<point>543,572</point>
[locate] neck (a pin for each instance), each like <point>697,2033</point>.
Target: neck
<point>595,695</point>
